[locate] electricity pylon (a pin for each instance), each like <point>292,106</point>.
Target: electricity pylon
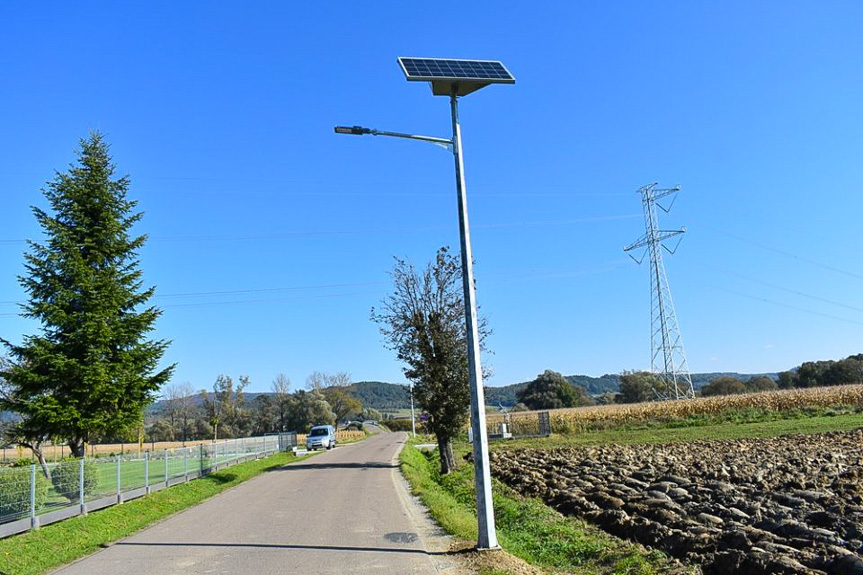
<point>665,340</point>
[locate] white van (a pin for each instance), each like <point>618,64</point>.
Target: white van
<point>321,437</point>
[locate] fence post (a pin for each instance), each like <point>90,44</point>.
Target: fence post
<point>119,486</point>
<point>34,521</point>
<point>147,471</point>
<point>81,487</point>
<point>186,463</point>
<point>201,458</point>
<point>166,468</point>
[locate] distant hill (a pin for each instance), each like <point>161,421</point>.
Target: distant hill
<point>380,395</point>
<point>596,385</point>
<point>506,395</point>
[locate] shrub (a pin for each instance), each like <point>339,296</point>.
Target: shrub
<point>15,492</point>
<point>550,390</point>
<point>723,386</point>
<point>65,478</point>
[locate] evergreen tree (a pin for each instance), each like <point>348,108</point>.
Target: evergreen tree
<point>91,370</point>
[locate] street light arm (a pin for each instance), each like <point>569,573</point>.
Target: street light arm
<point>360,131</point>
<point>432,139</point>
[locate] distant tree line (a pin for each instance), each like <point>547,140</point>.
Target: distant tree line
<point>639,385</point>
<point>226,412</point>
<point>732,385</point>
<point>824,373</point>
<point>809,374</point>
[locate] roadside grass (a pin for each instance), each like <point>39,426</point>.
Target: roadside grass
<point>526,528</point>
<point>529,529</point>
<point>37,552</point>
<point>673,433</point>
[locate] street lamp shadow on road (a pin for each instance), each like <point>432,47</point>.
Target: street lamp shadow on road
<point>454,79</point>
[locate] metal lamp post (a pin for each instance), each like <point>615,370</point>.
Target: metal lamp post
<point>413,421</point>
<point>455,78</point>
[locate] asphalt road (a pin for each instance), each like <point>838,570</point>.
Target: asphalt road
<point>343,511</point>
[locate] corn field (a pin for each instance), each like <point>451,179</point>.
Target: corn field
<point>604,416</point>
<point>341,436</point>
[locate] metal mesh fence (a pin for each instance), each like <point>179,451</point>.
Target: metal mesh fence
<point>14,493</point>
<point>31,495</point>
<point>518,424</point>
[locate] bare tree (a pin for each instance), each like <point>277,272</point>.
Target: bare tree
<point>340,379</point>
<point>179,407</point>
<point>316,381</point>
<point>282,397</point>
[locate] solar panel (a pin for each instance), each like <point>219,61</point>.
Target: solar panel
<point>463,76</point>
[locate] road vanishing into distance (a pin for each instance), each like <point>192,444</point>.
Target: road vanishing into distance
<point>342,511</point>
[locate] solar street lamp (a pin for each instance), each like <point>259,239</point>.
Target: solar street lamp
<point>456,78</point>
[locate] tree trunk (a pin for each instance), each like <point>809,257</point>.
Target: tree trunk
<point>37,451</point>
<point>36,448</point>
<point>76,446</point>
<point>447,459</point>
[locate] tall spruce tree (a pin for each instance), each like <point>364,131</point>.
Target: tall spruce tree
<point>91,370</point>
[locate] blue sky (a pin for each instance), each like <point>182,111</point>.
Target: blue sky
<point>271,237</point>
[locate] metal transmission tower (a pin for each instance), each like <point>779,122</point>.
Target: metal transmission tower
<point>665,340</point>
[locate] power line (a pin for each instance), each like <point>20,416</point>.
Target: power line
<point>267,290</point>
<point>267,300</point>
<point>249,290</point>
<point>142,186</point>
<point>407,230</point>
<point>505,276</point>
<point>789,290</point>
<point>786,253</point>
<point>785,305</point>
<point>246,301</point>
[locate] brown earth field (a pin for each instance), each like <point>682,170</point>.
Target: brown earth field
<point>789,505</point>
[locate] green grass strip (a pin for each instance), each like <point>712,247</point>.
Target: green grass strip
<point>37,552</point>
<point>525,527</point>
<point>540,535</point>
